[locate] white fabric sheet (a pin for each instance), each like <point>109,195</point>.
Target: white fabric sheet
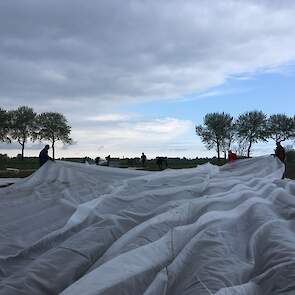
<point>80,229</point>
<point>7,181</point>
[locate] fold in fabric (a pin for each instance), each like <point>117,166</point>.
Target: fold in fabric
<point>80,229</point>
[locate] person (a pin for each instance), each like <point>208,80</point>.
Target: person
<point>43,155</point>
<point>108,158</point>
<point>143,159</point>
<point>232,156</point>
<point>97,159</point>
<point>280,152</point>
<point>160,161</point>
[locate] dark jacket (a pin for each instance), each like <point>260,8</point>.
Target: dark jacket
<point>43,157</point>
<point>280,153</point>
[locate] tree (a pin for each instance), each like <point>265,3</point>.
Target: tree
<point>4,126</point>
<point>216,131</point>
<point>252,127</point>
<point>228,138</point>
<point>281,127</point>
<point>53,127</point>
<point>22,125</point>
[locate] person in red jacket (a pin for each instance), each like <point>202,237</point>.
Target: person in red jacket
<point>232,156</point>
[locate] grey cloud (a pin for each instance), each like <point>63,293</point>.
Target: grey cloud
<point>88,54</point>
<point>16,146</point>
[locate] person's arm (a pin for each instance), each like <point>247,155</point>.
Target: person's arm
<point>48,157</point>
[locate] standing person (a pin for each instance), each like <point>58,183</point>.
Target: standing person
<point>280,152</point>
<point>160,161</point>
<point>108,158</point>
<point>97,160</point>
<point>43,155</point>
<point>143,159</point>
<point>232,156</point>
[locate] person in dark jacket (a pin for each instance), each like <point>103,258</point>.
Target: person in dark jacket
<point>280,152</point>
<point>143,159</point>
<point>43,156</point>
<point>97,159</point>
<point>108,159</point>
<point>160,161</point>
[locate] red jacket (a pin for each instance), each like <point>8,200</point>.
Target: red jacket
<point>232,157</point>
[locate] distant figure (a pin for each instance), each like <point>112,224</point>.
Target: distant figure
<point>160,161</point>
<point>143,159</point>
<point>108,158</point>
<point>232,156</point>
<point>280,152</point>
<point>97,159</point>
<point>43,155</point>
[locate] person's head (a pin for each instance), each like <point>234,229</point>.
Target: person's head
<point>47,147</point>
<point>230,152</point>
<point>278,143</point>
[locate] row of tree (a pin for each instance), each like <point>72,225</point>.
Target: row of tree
<point>221,130</point>
<point>25,124</point>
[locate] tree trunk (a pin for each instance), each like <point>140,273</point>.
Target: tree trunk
<point>249,149</point>
<point>218,150</point>
<point>23,150</point>
<point>53,151</point>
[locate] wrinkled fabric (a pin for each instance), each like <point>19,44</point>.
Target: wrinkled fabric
<point>8,181</point>
<point>82,229</point>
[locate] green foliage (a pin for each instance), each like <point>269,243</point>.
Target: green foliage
<point>53,127</point>
<point>252,127</point>
<point>22,125</point>
<point>217,131</point>
<point>4,126</point>
<point>281,127</point>
<point>26,164</point>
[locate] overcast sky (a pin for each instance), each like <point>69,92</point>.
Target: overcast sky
<point>134,76</point>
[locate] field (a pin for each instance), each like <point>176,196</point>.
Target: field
<point>29,165</point>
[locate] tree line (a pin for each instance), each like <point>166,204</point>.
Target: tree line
<point>220,130</point>
<point>24,124</point>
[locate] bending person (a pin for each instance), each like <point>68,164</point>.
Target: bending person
<point>43,155</point>
<point>232,156</point>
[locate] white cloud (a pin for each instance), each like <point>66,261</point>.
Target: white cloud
<point>170,127</point>
<point>90,60</point>
<point>109,51</point>
<point>111,117</point>
<point>155,130</point>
